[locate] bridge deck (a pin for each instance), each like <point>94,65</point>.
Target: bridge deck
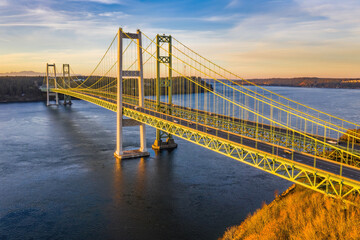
<point>321,164</point>
<point>293,140</point>
<point>314,172</point>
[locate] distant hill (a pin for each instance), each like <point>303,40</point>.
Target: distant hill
<point>23,73</point>
<point>307,82</point>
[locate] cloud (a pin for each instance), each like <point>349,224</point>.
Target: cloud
<point>310,37</point>
<point>233,3</point>
<point>257,41</point>
<point>3,3</point>
<point>44,17</point>
<point>345,11</point>
<point>223,18</point>
<point>309,22</point>
<point>102,1</point>
<point>114,14</point>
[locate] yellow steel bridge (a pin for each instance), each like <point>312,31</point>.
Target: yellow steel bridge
<point>167,85</point>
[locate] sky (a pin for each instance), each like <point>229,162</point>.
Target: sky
<point>253,38</point>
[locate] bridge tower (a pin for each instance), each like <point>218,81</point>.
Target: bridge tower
<point>121,74</point>
<point>49,79</point>
<point>66,77</point>
<point>165,82</point>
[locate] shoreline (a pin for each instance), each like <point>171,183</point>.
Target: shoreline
<point>22,101</point>
<point>4,101</point>
<point>310,82</point>
<point>265,85</point>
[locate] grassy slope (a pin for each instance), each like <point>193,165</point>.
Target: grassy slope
<point>301,214</point>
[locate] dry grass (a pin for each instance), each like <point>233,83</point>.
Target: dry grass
<point>302,214</point>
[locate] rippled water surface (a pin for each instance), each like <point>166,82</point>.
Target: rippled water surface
<point>59,179</point>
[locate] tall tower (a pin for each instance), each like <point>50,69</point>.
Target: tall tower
<point>165,82</point>
<point>66,77</point>
<point>51,83</point>
<point>121,74</point>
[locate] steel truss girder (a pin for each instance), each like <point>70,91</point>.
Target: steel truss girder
<point>293,142</point>
<point>95,100</point>
<point>309,177</point>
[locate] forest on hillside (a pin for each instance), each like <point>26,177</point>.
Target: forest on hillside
<point>20,89</point>
<point>26,89</point>
<point>306,82</point>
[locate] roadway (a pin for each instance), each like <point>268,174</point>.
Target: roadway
<point>299,157</point>
<point>326,165</point>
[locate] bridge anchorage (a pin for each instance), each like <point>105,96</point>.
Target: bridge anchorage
<point>181,93</point>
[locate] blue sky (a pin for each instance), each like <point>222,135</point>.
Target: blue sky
<point>257,38</point>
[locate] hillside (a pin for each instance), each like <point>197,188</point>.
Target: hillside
<point>22,73</point>
<point>26,89</point>
<point>307,82</point>
<point>301,214</point>
<point>20,89</point>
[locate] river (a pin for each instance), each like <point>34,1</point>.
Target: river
<point>59,179</point>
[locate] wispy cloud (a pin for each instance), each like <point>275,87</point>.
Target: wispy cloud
<point>337,17</point>
<point>223,18</point>
<point>114,14</point>
<point>102,1</point>
<point>251,37</point>
<point>309,37</point>
<point>45,17</point>
<point>233,3</point>
<point>3,3</point>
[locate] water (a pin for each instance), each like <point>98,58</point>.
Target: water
<point>59,179</point>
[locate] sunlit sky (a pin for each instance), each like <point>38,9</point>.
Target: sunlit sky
<point>254,38</point>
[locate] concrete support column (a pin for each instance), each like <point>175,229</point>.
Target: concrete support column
<point>141,152</point>
<point>48,78</point>
<point>47,86</point>
<point>66,77</point>
<point>55,83</point>
<point>119,115</point>
<point>141,92</point>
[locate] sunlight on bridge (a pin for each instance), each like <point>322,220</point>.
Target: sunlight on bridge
<point>188,96</point>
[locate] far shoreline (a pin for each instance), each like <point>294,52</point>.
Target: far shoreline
<point>43,99</point>
<point>310,82</point>
<point>21,89</point>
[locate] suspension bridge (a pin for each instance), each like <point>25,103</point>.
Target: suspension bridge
<point>162,83</point>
